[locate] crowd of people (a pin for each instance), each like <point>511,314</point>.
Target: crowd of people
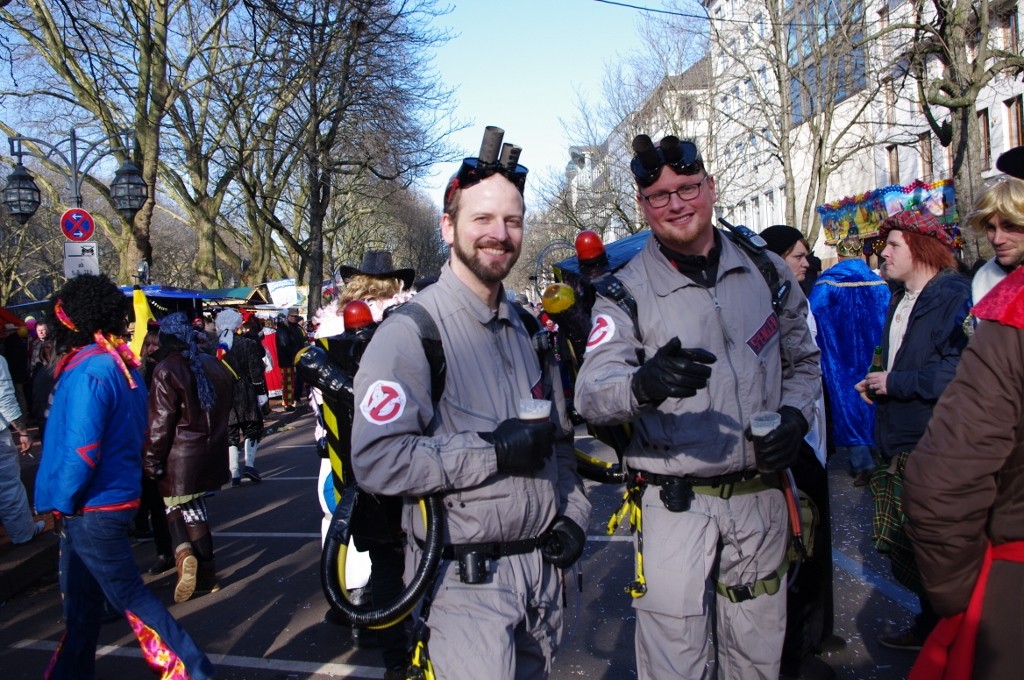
<point>713,328</point>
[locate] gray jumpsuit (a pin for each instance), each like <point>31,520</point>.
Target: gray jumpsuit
<point>764,361</point>
<point>509,626</point>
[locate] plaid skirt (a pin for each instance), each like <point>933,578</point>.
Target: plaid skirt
<point>288,385</point>
<point>887,522</point>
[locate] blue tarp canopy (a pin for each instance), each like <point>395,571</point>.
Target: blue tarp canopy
<point>619,253</point>
<point>242,294</point>
<point>167,292</point>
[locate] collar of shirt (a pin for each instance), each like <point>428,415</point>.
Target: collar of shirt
<point>460,293</point>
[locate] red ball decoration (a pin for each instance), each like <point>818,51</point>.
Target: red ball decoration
<point>589,246</point>
<point>357,315</point>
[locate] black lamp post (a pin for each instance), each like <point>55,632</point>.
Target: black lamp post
<point>21,195</point>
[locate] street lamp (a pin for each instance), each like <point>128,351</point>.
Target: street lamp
<point>21,195</point>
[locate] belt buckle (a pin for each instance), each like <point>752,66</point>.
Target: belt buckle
<point>740,593</point>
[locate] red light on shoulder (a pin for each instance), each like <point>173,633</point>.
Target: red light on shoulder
<point>589,246</point>
<point>357,315</point>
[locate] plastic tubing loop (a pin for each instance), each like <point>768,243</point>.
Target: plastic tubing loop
<point>332,565</point>
<point>598,470</point>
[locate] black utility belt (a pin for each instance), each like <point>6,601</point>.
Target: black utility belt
<point>676,492</point>
<point>487,550</point>
<point>720,480</point>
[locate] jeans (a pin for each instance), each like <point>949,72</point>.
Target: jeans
<point>15,513</point>
<point>859,456</point>
<point>97,564</point>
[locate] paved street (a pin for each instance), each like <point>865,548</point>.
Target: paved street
<point>265,623</point>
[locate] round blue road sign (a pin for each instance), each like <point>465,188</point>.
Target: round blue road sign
<point>77,224</point>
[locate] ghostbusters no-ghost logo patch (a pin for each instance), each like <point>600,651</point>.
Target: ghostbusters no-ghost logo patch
<point>601,332</point>
<point>384,402</point>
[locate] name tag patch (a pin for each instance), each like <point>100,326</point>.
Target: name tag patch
<point>761,337</point>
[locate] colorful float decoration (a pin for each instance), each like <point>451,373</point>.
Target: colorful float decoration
<point>862,215</point>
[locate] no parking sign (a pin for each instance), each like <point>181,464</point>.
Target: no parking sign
<point>77,224</point>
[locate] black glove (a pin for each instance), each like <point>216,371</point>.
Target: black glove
<point>779,448</point>
<point>158,474</point>
<point>562,544</point>
<point>317,369</point>
<point>521,446</point>
<point>672,372</point>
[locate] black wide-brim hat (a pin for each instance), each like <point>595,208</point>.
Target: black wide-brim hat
<point>378,264</point>
<point>1012,162</point>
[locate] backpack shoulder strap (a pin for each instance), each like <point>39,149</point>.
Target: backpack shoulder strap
<point>778,288</point>
<point>609,286</point>
<point>430,338</point>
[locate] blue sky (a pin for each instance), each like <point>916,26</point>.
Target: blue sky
<point>517,65</point>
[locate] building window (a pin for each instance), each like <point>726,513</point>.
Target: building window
<point>892,154</point>
<point>1015,121</point>
<point>924,143</point>
<point>1010,27</point>
<point>986,141</point>
<point>949,158</point>
<point>890,103</point>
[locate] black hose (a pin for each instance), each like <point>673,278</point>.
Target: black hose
<point>332,565</point>
<point>603,473</point>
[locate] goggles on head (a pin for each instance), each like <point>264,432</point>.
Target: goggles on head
<point>681,156</point>
<point>495,159</point>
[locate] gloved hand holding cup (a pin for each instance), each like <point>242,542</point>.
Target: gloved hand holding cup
<point>776,437</point>
<point>523,445</point>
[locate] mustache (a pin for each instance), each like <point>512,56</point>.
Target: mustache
<point>495,243</point>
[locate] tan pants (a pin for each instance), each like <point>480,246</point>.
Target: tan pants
<point>505,629</point>
<point>681,553</point>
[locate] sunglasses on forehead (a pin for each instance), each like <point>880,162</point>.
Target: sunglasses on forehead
<point>495,159</point>
<point>682,156</point>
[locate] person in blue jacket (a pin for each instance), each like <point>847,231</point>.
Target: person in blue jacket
<point>90,479</point>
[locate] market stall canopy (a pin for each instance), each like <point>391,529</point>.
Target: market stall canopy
<point>245,295</point>
<point>9,317</point>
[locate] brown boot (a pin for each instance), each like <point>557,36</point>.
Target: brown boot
<point>206,579</point>
<point>188,568</point>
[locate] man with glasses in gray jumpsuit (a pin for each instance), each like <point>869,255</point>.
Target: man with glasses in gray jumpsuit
<point>512,497</point>
<point>707,351</point>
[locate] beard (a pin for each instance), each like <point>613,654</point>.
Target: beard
<point>492,273</point>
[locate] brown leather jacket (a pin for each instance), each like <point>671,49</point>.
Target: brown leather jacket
<point>189,444</point>
<point>964,482</point>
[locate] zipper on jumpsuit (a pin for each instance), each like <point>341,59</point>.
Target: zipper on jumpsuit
<point>736,383</point>
<point>501,336</point>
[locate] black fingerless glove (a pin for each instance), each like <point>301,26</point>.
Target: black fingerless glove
<point>521,446</point>
<point>780,448</point>
<point>562,544</point>
<point>672,372</point>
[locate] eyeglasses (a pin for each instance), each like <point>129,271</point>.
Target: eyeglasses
<point>682,156</point>
<point>687,192</point>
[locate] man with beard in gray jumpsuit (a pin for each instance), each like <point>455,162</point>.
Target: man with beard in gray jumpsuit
<point>511,491</point>
<point>707,351</point>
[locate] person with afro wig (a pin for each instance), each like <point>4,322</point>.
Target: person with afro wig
<point>89,478</point>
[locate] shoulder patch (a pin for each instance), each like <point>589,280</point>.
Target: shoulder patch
<point>384,402</point>
<point>602,330</point>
